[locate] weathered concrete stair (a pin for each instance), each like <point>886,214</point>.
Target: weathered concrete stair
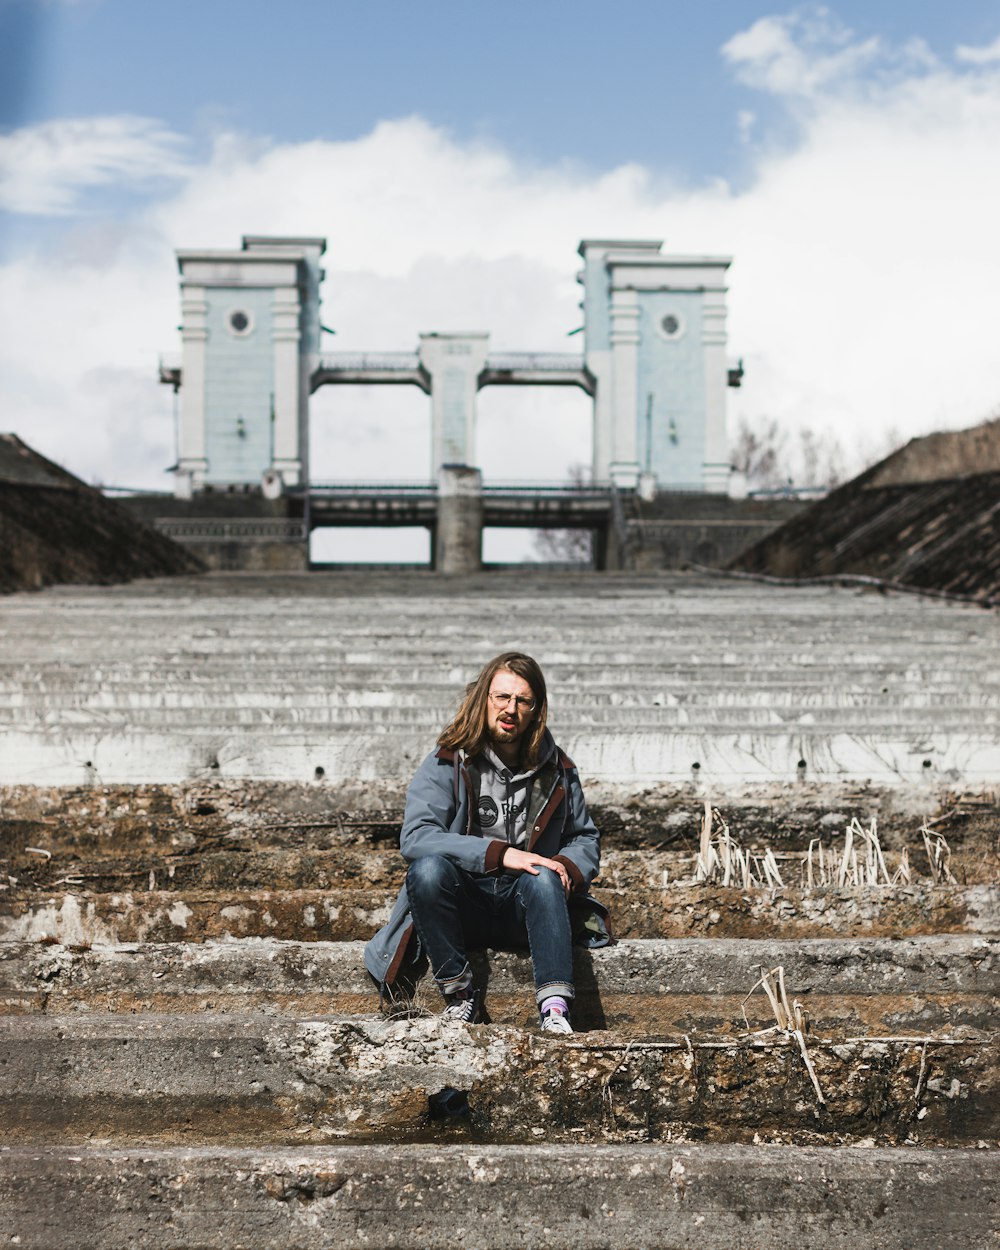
<point>696,987</point>
<point>649,678</point>
<point>253,1079</point>
<point>76,917</point>
<point>186,1029</point>
<point>438,1196</point>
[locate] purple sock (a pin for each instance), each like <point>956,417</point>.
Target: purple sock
<point>556,1004</point>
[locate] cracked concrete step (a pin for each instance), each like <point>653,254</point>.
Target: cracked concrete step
<point>361,818</point>
<point>254,1079</point>
<point>913,755</point>
<point>763,716</point>
<point>78,917</point>
<point>747,684</point>
<point>609,632</point>
<point>710,666</point>
<point>366,868</point>
<point>435,1197</point>
<point>694,986</point>
<point>39,688</point>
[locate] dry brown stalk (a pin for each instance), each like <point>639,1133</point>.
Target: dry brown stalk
<point>791,1020</point>
<point>921,1074</point>
<point>938,856</point>
<point>926,1041</point>
<point>862,862</point>
<point>725,861</point>
<point>606,1086</point>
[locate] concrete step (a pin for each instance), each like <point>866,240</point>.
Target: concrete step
<point>239,1080</point>
<point>632,663</point>
<point>881,755</point>
<point>699,987</point>
<point>389,706</point>
<point>289,868</point>
<point>78,917</point>
<point>317,721</point>
<point>436,1196</point>
<point>190,820</point>
<point>387,647</point>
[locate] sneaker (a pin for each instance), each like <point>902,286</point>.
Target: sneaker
<point>556,1022</point>
<point>463,1007</point>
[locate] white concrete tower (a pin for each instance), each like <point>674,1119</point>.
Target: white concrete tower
<point>655,341</point>
<point>250,332</point>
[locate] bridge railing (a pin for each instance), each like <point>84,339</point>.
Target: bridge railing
<point>575,490</point>
<point>365,488</point>
<point>375,362</point>
<point>532,362</point>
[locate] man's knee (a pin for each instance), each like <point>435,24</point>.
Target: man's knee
<point>545,888</point>
<point>429,875</point>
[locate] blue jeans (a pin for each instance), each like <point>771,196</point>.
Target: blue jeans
<point>453,909</point>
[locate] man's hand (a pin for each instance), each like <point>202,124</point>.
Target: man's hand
<point>528,861</point>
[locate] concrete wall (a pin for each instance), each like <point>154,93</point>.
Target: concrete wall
<point>677,529</point>
<point>239,385</point>
<point>671,382</point>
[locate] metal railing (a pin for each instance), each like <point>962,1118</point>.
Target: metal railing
<point>535,362</point>
<point>574,490</point>
<point>367,488</point>
<point>369,362</point>
<point>239,530</point>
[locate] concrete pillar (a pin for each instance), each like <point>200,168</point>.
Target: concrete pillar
<point>287,460</point>
<point>192,463</point>
<point>458,542</point>
<point>715,470</point>
<point>454,363</point>
<point>624,467</point>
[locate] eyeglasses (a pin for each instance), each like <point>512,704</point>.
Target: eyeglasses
<point>501,700</point>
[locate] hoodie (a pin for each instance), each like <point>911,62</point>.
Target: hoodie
<point>502,804</point>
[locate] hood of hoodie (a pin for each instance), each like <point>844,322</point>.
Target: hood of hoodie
<point>504,794</point>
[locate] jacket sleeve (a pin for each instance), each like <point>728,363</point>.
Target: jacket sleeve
<point>429,821</point>
<point>580,849</point>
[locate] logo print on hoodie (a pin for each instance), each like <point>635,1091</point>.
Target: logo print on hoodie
<point>488,812</point>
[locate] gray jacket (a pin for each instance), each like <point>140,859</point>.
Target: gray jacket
<point>439,819</point>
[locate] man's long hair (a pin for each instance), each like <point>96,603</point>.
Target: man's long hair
<point>469,729</point>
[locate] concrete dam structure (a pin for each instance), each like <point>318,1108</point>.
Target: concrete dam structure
<point>200,791</point>
<point>653,364</point>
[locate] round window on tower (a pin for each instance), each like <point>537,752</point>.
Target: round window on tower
<point>240,322</point>
<point>671,326</point>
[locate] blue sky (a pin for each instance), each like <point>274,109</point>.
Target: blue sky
<point>847,157</point>
<point>586,82</point>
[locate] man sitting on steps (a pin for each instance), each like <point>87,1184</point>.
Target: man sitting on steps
<point>501,851</point>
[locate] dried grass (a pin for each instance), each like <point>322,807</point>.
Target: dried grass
<point>790,1019</point>
<point>860,864</point>
<point>938,856</point>
<point>723,861</point>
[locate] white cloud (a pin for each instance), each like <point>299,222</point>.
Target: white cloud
<point>988,54</point>
<point>44,169</point>
<point>861,295</point>
<point>798,54</point>
<point>810,54</point>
